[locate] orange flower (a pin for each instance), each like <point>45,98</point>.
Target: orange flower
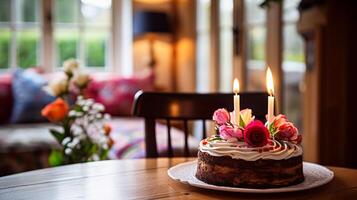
<point>56,111</point>
<point>107,129</point>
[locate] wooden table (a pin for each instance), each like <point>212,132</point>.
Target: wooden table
<point>144,179</point>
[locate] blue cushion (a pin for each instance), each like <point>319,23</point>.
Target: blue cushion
<point>29,97</point>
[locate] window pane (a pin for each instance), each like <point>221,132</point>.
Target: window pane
<point>66,45</point>
<point>27,48</point>
<point>5,10</point>
<point>203,46</point>
<point>4,48</point>
<point>291,12</point>
<point>66,11</point>
<point>293,44</point>
<point>254,13</point>
<point>256,43</point>
<point>95,48</point>
<point>96,12</point>
<point>256,36</point>
<point>27,10</point>
<point>294,71</point>
<point>203,15</point>
<point>226,45</point>
<point>256,58</point>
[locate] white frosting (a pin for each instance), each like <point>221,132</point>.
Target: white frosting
<point>240,150</point>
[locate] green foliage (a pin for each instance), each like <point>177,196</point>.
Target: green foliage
<point>95,52</point>
<point>55,158</point>
<point>5,10</point>
<point>27,49</point>
<point>4,48</point>
<point>57,135</point>
<point>66,11</point>
<point>67,48</point>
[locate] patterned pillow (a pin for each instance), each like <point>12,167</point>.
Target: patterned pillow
<point>5,98</point>
<point>117,93</point>
<point>29,97</point>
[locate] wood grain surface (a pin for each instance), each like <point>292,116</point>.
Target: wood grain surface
<point>144,179</point>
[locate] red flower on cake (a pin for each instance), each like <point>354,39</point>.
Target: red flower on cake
<point>288,132</point>
<point>227,131</point>
<point>256,134</point>
<point>221,116</point>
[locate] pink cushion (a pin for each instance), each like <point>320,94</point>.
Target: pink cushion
<point>117,93</point>
<point>5,97</point>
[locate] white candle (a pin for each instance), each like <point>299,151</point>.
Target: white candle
<point>236,101</point>
<point>270,88</point>
<point>270,109</point>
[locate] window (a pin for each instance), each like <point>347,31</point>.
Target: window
<point>226,45</point>
<point>293,63</point>
<point>203,45</point>
<point>255,20</point>
<point>82,30</point>
<point>20,33</point>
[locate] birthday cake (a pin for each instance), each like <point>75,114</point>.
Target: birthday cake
<point>251,154</point>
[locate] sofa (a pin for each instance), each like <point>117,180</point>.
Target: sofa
<point>25,144</point>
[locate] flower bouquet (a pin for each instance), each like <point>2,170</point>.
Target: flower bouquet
<point>85,133</point>
<point>253,132</point>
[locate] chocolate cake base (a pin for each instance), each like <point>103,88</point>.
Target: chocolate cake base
<point>262,173</point>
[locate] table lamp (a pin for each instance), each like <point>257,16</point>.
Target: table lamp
<point>149,24</point>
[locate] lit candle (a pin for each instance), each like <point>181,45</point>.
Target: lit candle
<point>236,101</point>
<point>270,88</point>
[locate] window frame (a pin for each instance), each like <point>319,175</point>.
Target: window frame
<point>13,26</point>
<point>117,60</point>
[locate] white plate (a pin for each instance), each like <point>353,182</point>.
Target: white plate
<point>315,175</point>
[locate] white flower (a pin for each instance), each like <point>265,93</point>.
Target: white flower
<point>105,146</point>
<point>81,78</point>
<point>57,87</point>
<point>85,108</point>
<point>66,140</point>
<point>89,102</point>
<point>68,151</point>
<point>79,114</point>
<point>99,107</point>
<point>70,66</point>
<point>107,116</point>
<point>98,115</point>
<point>95,157</point>
<point>72,113</point>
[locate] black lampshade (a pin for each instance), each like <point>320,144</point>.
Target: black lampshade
<point>151,22</point>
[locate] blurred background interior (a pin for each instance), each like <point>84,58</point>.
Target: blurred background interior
<point>185,46</point>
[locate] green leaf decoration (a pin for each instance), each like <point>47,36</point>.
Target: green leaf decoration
<point>215,138</point>
<point>241,122</point>
<point>55,158</point>
<point>272,129</point>
<point>58,135</point>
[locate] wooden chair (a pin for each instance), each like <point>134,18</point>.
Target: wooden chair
<point>185,107</point>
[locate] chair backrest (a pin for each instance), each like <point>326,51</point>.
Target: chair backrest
<point>185,107</point>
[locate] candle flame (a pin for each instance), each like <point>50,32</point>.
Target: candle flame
<point>236,86</point>
<point>270,82</point>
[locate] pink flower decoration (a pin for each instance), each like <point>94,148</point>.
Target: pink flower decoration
<point>288,132</point>
<point>256,134</point>
<point>227,132</point>
<point>279,120</point>
<point>221,116</point>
